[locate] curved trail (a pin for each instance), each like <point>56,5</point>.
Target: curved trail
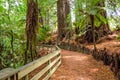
<point>78,66</point>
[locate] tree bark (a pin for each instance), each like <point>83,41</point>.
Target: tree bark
<point>67,12</point>
<point>0,57</point>
<point>68,19</point>
<point>63,9</point>
<point>1,51</point>
<point>61,17</point>
<point>31,28</point>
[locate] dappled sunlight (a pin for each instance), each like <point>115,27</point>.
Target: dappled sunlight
<point>94,70</point>
<point>81,58</point>
<point>77,58</point>
<point>74,78</point>
<point>83,78</point>
<point>67,56</point>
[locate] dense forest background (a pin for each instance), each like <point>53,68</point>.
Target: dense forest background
<point>27,23</point>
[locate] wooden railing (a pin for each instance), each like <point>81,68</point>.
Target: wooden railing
<point>23,72</point>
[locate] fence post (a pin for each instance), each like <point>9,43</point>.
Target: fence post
<point>49,64</point>
<point>26,77</point>
<point>8,78</point>
<point>59,55</point>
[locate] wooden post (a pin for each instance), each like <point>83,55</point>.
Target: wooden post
<point>26,77</point>
<point>51,49</point>
<point>8,78</point>
<point>15,77</point>
<point>58,56</point>
<point>49,64</point>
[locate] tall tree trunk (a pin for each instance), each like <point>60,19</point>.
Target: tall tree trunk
<point>1,51</point>
<point>61,17</point>
<point>0,63</point>
<point>67,18</point>
<point>63,9</point>
<point>67,12</point>
<point>12,40</point>
<point>0,57</point>
<point>31,28</point>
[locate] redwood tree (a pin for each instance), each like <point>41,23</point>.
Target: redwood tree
<point>31,28</point>
<point>63,10</point>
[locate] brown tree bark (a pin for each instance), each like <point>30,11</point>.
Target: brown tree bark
<point>61,17</point>
<point>0,57</point>
<point>67,19</point>
<point>63,9</point>
<point>31,28</point>
<point>67,12</point>
<point>1,51</point>
<point>0,64</point>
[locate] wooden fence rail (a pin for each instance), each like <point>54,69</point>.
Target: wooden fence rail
<point>23,72</point>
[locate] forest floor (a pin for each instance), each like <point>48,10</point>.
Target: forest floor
<point>109,42</point>
<point>79,66</point>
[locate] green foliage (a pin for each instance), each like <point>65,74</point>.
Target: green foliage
<point>48,12</point>
<point>118,37</point>
<point>43,33</point>
<point>102,19</point>
<point>97,23</point>
<point>12,24</point>
<point>113,7</point>
<point>83,10</point>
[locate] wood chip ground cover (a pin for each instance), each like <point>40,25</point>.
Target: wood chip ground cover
<point>79,66</point>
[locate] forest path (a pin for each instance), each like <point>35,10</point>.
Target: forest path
<point>78,66</point>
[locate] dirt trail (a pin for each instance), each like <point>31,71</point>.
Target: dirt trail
<point>78,66</point>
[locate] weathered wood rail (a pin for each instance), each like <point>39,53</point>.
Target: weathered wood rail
<point>23,72</point>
